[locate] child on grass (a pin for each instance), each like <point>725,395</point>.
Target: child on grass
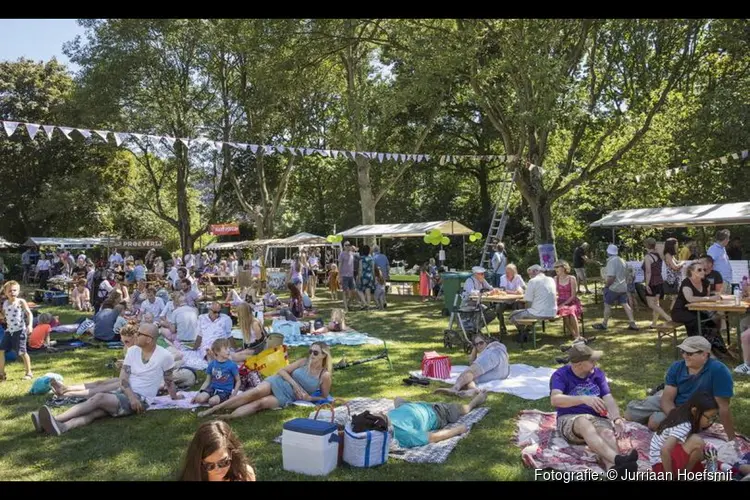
<point>379,289</point>
<point>223,376</point>
<point>19,320</point>
<point>40,335</point>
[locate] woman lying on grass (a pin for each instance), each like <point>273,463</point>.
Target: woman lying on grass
<point>298,381</point>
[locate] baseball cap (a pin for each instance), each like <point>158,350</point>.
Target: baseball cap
<point>612,249</point>
<point>478,270</point>
<point>535,267</point>
<point>695,344</point>
<point>581,352</point>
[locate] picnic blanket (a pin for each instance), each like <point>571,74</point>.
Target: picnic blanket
<point>542,447</point>
<point>65,329</point>
<point>166,403</point>
<point>524,381</point>
<point>433,453</point>
<point>307,313</point>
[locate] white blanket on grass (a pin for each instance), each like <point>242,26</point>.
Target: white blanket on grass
<point>524,381</point>
<point>166,403</point>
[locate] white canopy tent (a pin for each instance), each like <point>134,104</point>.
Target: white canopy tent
<point>39,241</point>
<point>5,244</point>
<point>697,215</point>
<point>228,245</point>
<point>407,230</point>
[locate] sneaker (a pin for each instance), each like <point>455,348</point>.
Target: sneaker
<point>37,423</point>
<point>743,369</point>
<point>633,327</point>
<point>599,326</point>
<point>49,424</point>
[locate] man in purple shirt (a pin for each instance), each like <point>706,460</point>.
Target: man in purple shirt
<point>586,411</point>
<point>346,273</point>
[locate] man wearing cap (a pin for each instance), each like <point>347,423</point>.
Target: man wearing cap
<point>616,289</point>
<point>697,371</point>
<point>540,298</point>
<point>586,411</point>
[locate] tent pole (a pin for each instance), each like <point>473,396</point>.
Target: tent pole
<point>463,238</point>
<point>613,235</point>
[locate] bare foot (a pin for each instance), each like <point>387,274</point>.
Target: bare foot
<point>467,393</point>
<point>445,390</point>
<point>479,399</point>
<point>206,413</point>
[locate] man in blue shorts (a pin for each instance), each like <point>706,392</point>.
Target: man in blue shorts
<point>616,289</point>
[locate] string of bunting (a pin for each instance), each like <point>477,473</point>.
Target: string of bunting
<point>122,137</point>
<point>722,160</point>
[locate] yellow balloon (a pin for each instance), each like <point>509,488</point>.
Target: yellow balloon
<point>427,239</point>
<point>445,240</point>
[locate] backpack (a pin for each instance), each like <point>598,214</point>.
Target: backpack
<point>366,421</point>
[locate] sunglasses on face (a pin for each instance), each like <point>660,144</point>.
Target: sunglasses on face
<point>144,335</point>
<point>314,352</point>
<point>481,342</point>
<point>221,464</point>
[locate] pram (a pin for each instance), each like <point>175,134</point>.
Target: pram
<point>470,318</point>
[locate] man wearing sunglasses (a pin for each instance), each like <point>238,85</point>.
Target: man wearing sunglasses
<point>489,361</point>
<point>145,368</point>
<point>697,371</point>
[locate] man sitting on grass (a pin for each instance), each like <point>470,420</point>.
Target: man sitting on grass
<point>489,361</point>
<point>419,424</point>
<point>586,411</point>
<point>146,366</point>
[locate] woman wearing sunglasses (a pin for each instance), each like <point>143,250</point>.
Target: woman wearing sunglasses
<point>298,381</point>
<point>489,361</point>
<point>215,454</point>
<point>693,289</point>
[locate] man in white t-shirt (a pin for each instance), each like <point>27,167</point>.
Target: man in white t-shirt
<point>541,300</point>
<point>215,324</point>
<point>145,368</point>
<point>189,261</point>
<point>182,322</point>
<point>115,258</point>
<point>616,288</point>
<point>152,304</point>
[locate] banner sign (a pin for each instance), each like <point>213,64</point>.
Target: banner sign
<point>136,243</point>
<point>547,256</point>
<point>225,229</point>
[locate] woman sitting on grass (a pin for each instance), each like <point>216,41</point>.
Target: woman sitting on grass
<point>252,332</point>
<point>298,381</point>
<point>215,454</point>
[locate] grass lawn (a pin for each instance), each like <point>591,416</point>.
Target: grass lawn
<point>149,447</point>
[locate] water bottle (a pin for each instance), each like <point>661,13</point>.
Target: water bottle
<point>737,296</point>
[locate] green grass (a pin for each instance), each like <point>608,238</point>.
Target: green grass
<point>150,447</point>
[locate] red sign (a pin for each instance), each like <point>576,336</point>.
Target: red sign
<point>225,229</point>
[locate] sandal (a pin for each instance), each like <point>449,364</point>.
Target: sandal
<point>28,376</point>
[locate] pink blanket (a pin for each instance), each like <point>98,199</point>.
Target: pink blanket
<point>542,447</point>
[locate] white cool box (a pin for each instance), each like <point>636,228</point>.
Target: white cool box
<point>310,446</point>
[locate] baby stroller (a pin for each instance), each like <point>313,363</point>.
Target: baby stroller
<point>470,319</point>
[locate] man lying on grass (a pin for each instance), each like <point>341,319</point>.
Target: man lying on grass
<point>419,424</point>
<point>145,368</point>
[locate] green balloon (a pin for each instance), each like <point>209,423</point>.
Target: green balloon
<point>339,238</point>
<point>330,238</point>
<point>472,238</point>
<point>435,239</point>
<point>427,239</point>
<point>445,240</point>
<point>435,232</point>
<point>477,236</point>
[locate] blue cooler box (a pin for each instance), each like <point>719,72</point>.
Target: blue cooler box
<point>310,446</point>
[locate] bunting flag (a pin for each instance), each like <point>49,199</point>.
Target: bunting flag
<point>32,129</point>
<point>10,127</point>
<point>102,134</point>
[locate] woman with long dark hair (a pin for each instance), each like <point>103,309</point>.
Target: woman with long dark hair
<point>215,454</point>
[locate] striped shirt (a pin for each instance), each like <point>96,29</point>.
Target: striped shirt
<point>680,432</point>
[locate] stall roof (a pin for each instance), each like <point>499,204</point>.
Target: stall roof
<point>39,241</point>
<point>697,215</point>
<point>407,230</point>
<point>7,244</point>
<point>303,239</point>
<point>227,245</point>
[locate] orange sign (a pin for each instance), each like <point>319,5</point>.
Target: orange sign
<point>225,229</point>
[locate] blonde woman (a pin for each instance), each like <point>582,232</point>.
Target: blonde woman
<point>297,381</point>
<point>252,332</point>
<point>568,305</point>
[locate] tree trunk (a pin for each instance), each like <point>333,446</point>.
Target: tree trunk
<point>366,196</point>
<point>529,182</point>
<point>183,211</point>
<point>485,200</point>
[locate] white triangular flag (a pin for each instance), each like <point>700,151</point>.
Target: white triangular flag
<point>85,133</point>
<point>455,160</point>
<point>169,140</point>
<point>325,153</point>
<point>185,142</point>
<point>253,148</point>
<point>684,168</point>
<point>155,140</point>
<point>668,173</point>
<point>637,178</point>
<point>102,134</point>
<point>442,160</point>
<point>744,154</point>
<point>268,150</point>
<point>420,158</point>
<point>280,149</point>
<point>241,145</point>
<point>218,145</point>
<point>293,151</point>
<point>724,160</point>
<point>427,157</point>
<point>388,156</point>
<point>380,157</point>
<point>735,156</point>
<point>10,127</point>
<point>137,136</point>
<point>66,132</point>
<point>118,138</point>
<point>352,155</point>
<point>309,151</point>
<point>335,153</point>
<point>32,129</point>
<point>49,129</point>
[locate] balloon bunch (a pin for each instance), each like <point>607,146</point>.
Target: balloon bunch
<point>475,237</point>
<point>335,238</point>
<point>435,237</point>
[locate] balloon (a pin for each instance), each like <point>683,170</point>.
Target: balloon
<point>477,236</point>
<point>427,239</point>
<point>445,240</point>
<point>435,232</point>
<point>472,238</point>
<point>339,238</point>
<point>330,238</point>
<point>435,240</point>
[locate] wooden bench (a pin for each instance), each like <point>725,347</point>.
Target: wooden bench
<point>532,323</point>
<point>668,329</point>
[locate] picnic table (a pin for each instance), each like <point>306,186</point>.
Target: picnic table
<point>501,298</point>
<point>727,306</point>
